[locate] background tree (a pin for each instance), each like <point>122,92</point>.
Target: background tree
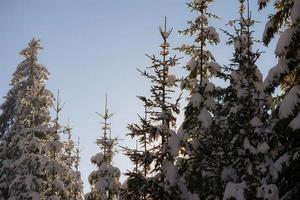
<point>105,180</point>
<point>200,130</point>
<point>286,116</point>
<point>163,180</point>
<point>247,125</point>
<point>136,184</point>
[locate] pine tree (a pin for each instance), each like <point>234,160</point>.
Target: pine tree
<point>105,180</point>
<point>31,149</point>
<point>200,130</point>
<point>286,116</point>
<point>77,189</point>
<point>162,180</point>
<point>23,148</point>
<point>135,187</point>
<point>246,107</point>
<point>55,169</point>
<point>71,157</point>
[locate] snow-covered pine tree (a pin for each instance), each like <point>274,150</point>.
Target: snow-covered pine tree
<point>104,181</point>
<point>246,107</point>
<point>199,130</point>
<point>23,148</point>
<point>71,157</point>
<point>163,180</point>
<point>286,116</point>
<point>54,168</point>
<point>135,186</point>
<point>77,186</point>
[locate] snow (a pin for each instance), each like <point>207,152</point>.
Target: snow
<point>171,79</point>
<point>170,172</point>
<point>209,87</point>
<point>57,185</point>
<point>262,147</point>
<point>210,102</point>
<point>174,143</point>
<point>214,66</point>
<point>211,31</point>
<point>268,26</point>
<point>295,14</point>
<point>205,118</point>
<point>248,146</point>
<point>34,196</point>
<point>196,99</point>
<point>296,155</point>
<point>101,185</point>
<point>268,192</point>
<point>295,123</point>
<point>200,19</point>
<point>228,174</point>
<point>283,160</point>
<point>283,41</point>
<point>234,190</point>
<point>289,103</point>
<point>275,72</point>
<point>191,64</point>
<point>207,54</point>
<point>256,122</point>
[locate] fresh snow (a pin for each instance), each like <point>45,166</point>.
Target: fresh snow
<point>262,147</point>
<point>171,173</point>
<point>248,146</point>
<point>290,103</point>
<point>268,26</point>
<point>205,118</point>
<point>295,123</point>
<point>171,79</point>
<point>256,122</point>
<point>228,174</point>
<point>282,160</point>
<point>284,41</point>
<point>196,99</point>
<point>174,143</point>
<point>295,12</point>
<point>234,190</point>
<point>268,192</point>
<point>275,72</point>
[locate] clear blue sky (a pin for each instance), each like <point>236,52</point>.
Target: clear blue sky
<point>93,47</point>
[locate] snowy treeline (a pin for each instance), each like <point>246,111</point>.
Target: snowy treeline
<point>237,141</point>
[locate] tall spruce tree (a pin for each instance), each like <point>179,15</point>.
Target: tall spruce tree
<point>104,181</point>
<point>246,106</point>
<point>135,186</point>
<point>71,158</point>
<point>200,130</point>
<point>162,180</point>
<point>286,116</point>
<point>31,138</point>
<point>55,169</point>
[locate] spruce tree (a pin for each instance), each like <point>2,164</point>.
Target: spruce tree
<point>199,129</point>
<point>55,169</point>
<point>71,158</point>
<point>135,186</point>
<point>246,109</point>
<point>31,149</point>
<point>162,180</point>
<point>105,180</point>
<point>29,134</point>
<point>286,74</point>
